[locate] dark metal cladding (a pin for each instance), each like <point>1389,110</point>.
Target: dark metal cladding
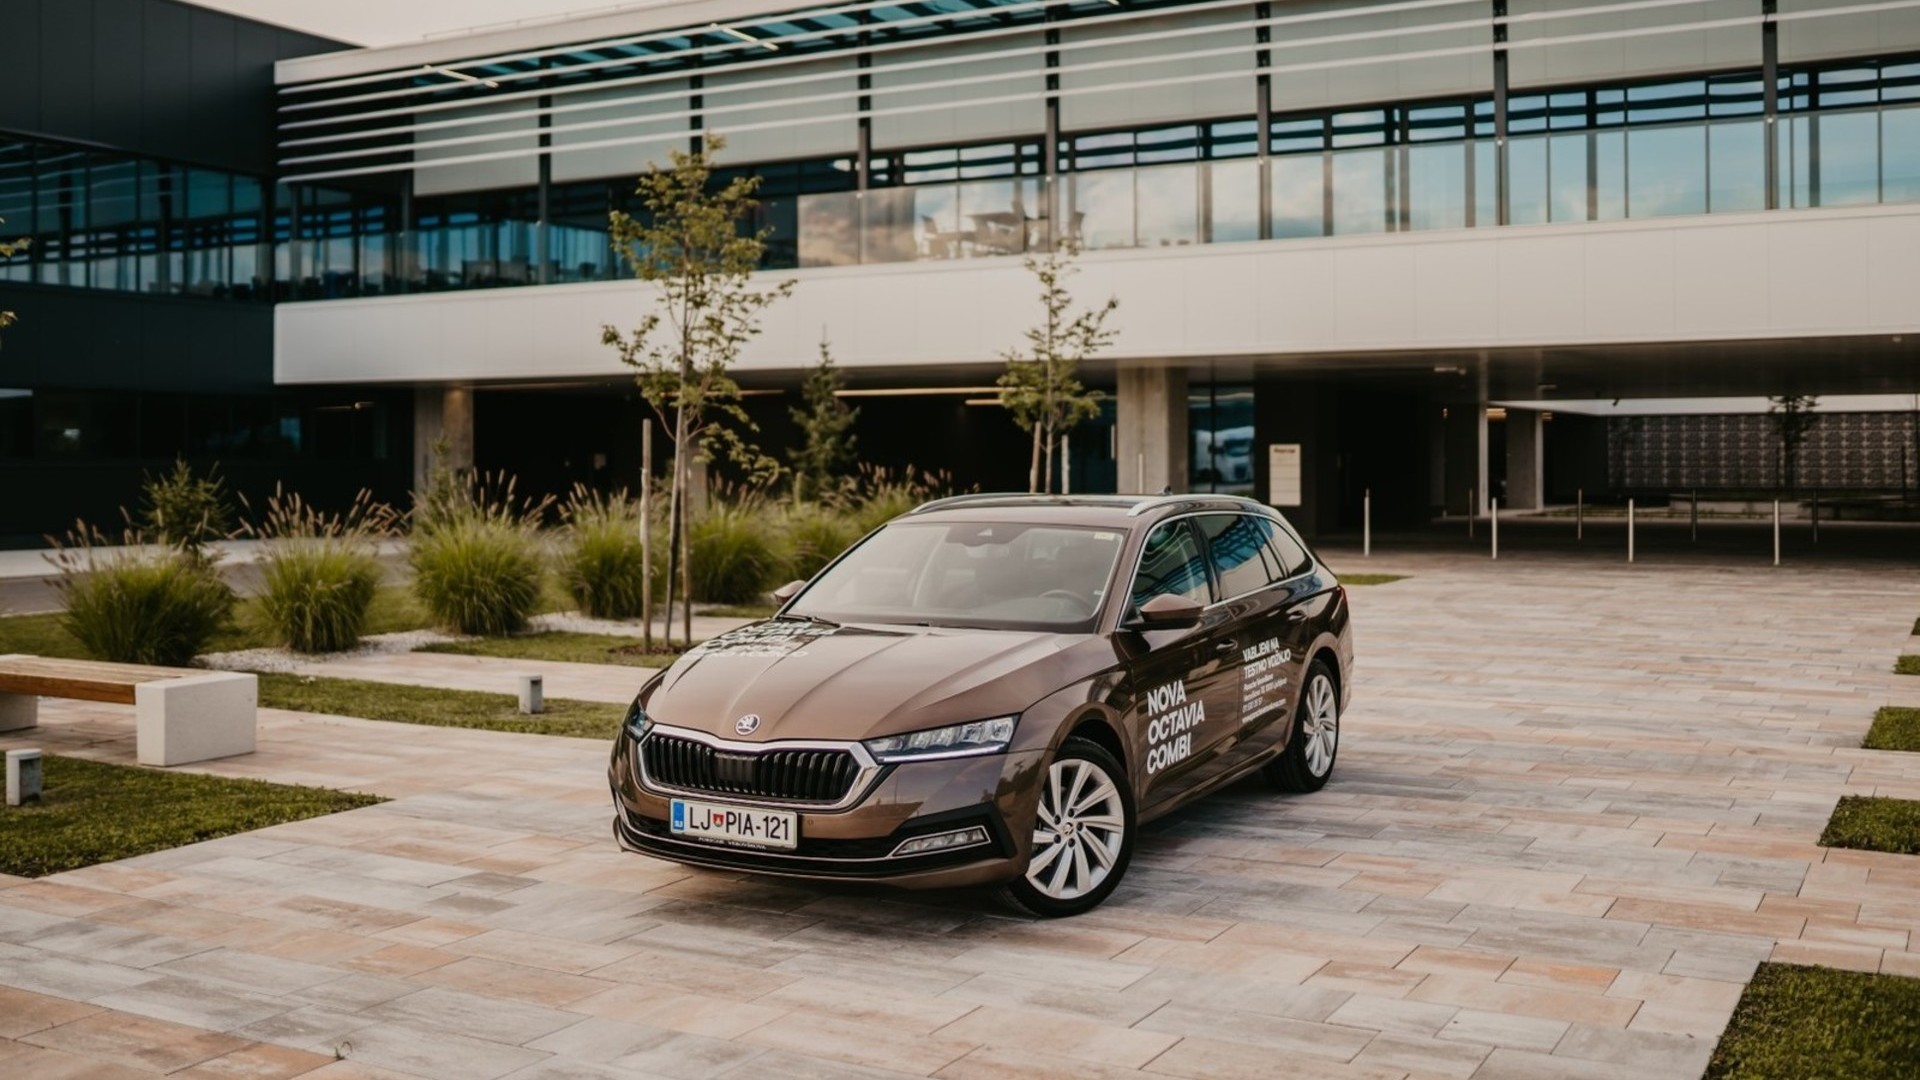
<point>812,776</point>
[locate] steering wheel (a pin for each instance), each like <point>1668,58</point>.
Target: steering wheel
<point>1070,596</point>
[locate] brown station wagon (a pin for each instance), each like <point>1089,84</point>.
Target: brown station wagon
<point>996,690</point>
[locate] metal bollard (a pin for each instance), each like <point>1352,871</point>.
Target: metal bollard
<point>1473,509</point>
<point>1776,532</point>
<point>1629,530</point>
<point>1493,526</point>
<point>1816,517</point>
<point>1580,513</point>
<point>532,695</point>
<point>1693,510</point>
<point>1366,524</point>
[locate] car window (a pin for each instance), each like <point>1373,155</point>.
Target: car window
<point>1291,552</point>
<point>1170,564</point>
<point>996,575</point>
<point>1241,546</point>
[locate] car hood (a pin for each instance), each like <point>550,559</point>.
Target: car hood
<point>812,681</point>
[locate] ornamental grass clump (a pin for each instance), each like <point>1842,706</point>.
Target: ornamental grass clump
<point>138,605</point>
<point>879,494</point>
<point>319,571</point>
<point>816,535</point>
<point>476,560</point>
<point>603,564</point>
<point>738,552</point>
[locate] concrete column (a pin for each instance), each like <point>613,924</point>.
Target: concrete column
<point>1151,437</point>
<point>1466,440</point>
<point>1526,453</point>
<point>441,413</point>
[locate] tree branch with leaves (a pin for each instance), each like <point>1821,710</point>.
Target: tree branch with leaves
<point>8,249</point>
<point>1041,388</point>
<point>1793,419</point>
<point>826,424</point>
<point>688,244</point>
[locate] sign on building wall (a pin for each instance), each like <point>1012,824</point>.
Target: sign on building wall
<point>1283,474</point>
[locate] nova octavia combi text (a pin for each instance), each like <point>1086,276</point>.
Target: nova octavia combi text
<point>996,690</point>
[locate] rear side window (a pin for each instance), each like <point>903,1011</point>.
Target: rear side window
<point>1290,552</point>
<point>1171,563</point>
<point>1243,552</point>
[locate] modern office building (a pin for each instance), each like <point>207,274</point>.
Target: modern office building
<point>1410,247</point>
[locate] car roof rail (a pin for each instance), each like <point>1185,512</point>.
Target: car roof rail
<point>962,500</point>
<point>1148,502</point>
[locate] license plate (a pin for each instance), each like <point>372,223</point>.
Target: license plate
<point>735,824</point>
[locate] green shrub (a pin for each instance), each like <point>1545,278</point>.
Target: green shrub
<point>1907,665</point>
<point>1873,823</point>
<point>141,607</point>
<point>815,536</point>
<point>476,555</point>
<point>602,566</point>
<point>186,511</point>
<point>737,553</point>
<point>478,574</point>
<point>319,572</point>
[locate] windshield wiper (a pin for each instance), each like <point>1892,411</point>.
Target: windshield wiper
<point>795,616</point>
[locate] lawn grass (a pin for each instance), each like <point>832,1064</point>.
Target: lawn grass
<point>1873,823</point>
<point>1371,579</point>
<point>1907,665</point>
<point>94,812</point>
<point>1795,1021</point>
<point>559,645</point>
<point>435,707</point>
<point>1894,728</point>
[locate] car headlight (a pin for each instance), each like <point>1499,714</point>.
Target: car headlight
<point>637,723</point>
<point>960,740</point>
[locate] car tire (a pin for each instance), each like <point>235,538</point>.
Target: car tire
<point>1077,862</point>
<point>1314,743</point>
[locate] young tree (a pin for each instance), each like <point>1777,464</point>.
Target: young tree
<point>1793,417</point>
<point>1041,388</point>
<point>8,249</point>
<point>826,430</point>
<point>689,246</point>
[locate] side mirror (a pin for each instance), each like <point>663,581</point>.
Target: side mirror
<point>1166,612</point>
<point>788,591</point>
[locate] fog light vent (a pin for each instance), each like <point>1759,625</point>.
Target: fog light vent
<point>946,841</point>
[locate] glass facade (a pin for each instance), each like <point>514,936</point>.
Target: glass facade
<point>101,220</point>
<point>92,426</point>
<point>1220,423</point>
<point>1847,133</point>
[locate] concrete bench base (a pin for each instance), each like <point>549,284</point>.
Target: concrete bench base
<point>196,718</point>
<point>19,712</point>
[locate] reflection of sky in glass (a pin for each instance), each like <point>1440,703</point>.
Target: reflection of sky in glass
<point>1849,158</point>
<point>1299,191</point>
<point>1169,205</point>
<point>1235,193</point>
<point>1900,138</point>
<point>1437,186</point>
<point>1104,203</point>
<point>1360,184</point>
<point>1667,171</point>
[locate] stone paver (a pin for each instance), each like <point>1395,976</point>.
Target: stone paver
<point>1576,805</point>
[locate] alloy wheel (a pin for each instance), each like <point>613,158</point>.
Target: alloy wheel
<point>1080,832</point>
<point>1321,725</point>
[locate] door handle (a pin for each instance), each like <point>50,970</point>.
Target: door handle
<point>1225,648</point>
<point>1296,616</point>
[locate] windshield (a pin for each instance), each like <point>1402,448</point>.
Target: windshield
<point>991,575</point>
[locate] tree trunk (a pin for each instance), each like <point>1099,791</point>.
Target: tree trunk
<point>1047,484</point>
<point>646,535</point>
<point>1033,469</point>
<point>686,568</point>
<point>677,518</point>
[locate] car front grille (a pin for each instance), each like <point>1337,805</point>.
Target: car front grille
<point>802,776</point>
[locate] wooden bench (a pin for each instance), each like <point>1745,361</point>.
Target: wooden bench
<point>181,715</point>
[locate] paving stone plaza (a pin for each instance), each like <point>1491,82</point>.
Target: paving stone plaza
<point>1577,803</point>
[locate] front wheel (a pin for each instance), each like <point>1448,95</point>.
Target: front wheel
<point>1307,761</point>
<point>1082,837</point>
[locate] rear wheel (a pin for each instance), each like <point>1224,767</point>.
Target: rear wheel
<point>1082,837</point>
<point>1308,759</point>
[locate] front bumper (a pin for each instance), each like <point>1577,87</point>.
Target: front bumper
<point>997,792</point>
